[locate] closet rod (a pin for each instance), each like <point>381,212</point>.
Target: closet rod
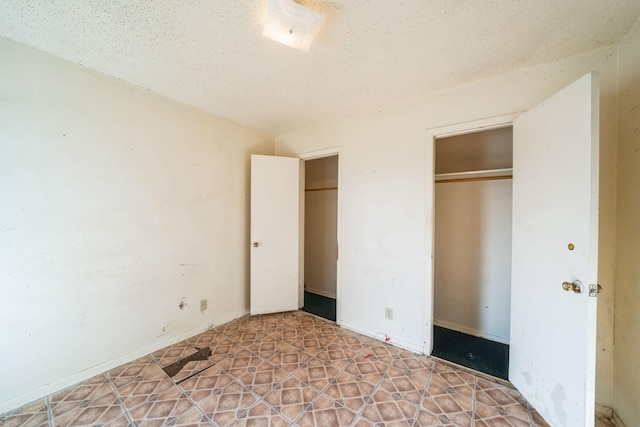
<point>321,189</point>
<point>479,178</point>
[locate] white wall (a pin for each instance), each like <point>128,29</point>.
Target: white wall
<point>116,206</point>
<point>627,313</point>
<point>472,258</point>
<point>387,196</point>
<point>321,225</point>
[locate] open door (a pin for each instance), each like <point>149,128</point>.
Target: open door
<point>555,240</point>
<point>275,228</point>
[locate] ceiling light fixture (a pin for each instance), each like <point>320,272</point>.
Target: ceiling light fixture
<point>292,24</point>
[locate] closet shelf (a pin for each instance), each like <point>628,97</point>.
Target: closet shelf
<point>321,189</point>
<point>480,175</point>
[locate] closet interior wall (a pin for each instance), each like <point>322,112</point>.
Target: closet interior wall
<point>320,239</point>
<point>472,260</point>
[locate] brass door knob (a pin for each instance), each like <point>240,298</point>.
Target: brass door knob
<point>575,286</point>
<point>256,244</point>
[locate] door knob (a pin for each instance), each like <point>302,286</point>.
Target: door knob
<point>575,286</point>
<point>256,244</point>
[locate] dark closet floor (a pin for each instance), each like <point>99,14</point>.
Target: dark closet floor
<point>320,306</point>
<point>476,353</point>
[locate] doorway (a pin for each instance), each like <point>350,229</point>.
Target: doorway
<point>472,249</point>
<point>321,236</point>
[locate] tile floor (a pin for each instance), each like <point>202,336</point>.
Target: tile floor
<point>288,369</point>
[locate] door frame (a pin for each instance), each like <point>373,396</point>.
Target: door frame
<point>431,135</point>
<point>312,155</point>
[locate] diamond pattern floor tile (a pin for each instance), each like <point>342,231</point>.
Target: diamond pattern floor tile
<point>311,343</point>
<point>268,348</point>
<point>291,398</point>
<point>503,400</point>
<point>405,385</point>
<point>208,383</point>
<point>290,359</point>
<point>139,381</point>
<point>164,410</point>
<point>338,356</point>
<point>349,391</point>
<point>259,415</point>
<point>211,338</point>
<point>173,353</point>
<point>192,368</point>
<point>121,421</point>
<point>451,378</point>
<point>85,391</point>
<point>317,374</point>
<point>389,409</point>
<point>90,402</point>
<point>233,401</point>
<point>249,336</point>
<point>192,418</point>
<point>369,366</point>
<point>261,379</point>
<point>284,369</point>
<point>444,402</point>
<point>33,415</point>
<point>537,420</point>
<point>413,364</point>
<point>324,411</point>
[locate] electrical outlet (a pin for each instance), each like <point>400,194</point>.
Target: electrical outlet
<point>388,313</point>
<point>203,304</point>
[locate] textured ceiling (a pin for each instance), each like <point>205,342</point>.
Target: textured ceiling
<point>369,53</point>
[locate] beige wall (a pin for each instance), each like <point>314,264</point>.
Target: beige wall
<point>627,305</point>
<point>117,205</point>
<point>386,201</point>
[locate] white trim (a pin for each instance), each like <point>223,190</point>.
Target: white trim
<point>328,152</point>
<point>471,331</point>
<point>301,224</point>
<point>39,393</point>
<point>321,153</point>
<point>431,135</point>
<point>380,336</point>
<point>473,126</point>
<point>320,292</point>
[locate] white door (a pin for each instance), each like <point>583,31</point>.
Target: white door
<point>555,232</point>
<point>275,227</point>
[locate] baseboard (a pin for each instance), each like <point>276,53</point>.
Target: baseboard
<point>604,411</point>
<point>39,393</point>
<point>617,422</point>
<point>608,413</point>
<point>320,292</point>
<point>501,381</point>
<point>470,331</point>
<point>383,337</point>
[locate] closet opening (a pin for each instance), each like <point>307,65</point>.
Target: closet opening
<point>321,236</point>
<point>472,249</point>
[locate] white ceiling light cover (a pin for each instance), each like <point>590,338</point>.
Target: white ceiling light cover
<point>292,24</point>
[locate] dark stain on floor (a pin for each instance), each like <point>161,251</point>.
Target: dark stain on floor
<point>175,367</point>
